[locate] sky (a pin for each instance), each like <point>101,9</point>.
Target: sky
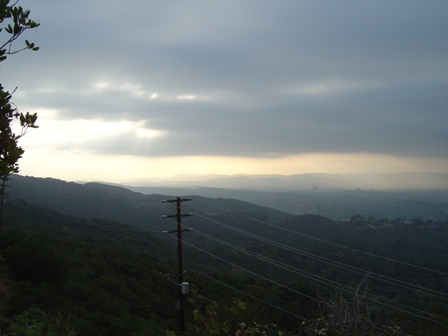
<point>135,90</point>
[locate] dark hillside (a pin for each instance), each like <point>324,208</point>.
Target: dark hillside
<point>95,200</point>
<point>261,251</point>
<point>21,215</point>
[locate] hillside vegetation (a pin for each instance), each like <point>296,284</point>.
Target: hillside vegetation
<point>92,259</point>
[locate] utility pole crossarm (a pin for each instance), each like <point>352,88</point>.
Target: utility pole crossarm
<point>175,231</point>
<point>176,200</point>
<point>175,216</point>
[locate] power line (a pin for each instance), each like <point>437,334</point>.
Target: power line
<point>354,269</point>
<point>233,245</point>
<point>251,296</point>
<point>290,289</point>
<point>309,275</point>
<point>250,272</point>
<point>328,242</point>
<point>274,262</point>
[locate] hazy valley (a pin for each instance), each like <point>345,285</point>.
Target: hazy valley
<point>405,195</point>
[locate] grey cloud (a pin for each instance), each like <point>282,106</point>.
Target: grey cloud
<point>248,59</point>
<point>408,120</point>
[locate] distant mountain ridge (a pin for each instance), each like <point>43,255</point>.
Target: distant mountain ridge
<point>334,204</point>
<point>395,181</point>
<point>134,205</point>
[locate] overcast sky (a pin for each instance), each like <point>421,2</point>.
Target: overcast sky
<point>141,89</point>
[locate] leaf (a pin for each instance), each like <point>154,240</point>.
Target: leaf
<point>17,29</point>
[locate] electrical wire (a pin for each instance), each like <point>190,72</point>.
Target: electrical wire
<point>250,272</point>
<point>336,287</point>
<point>309,275</point>
<point>275,262</point>
<point>252,297</point>
<point>286,287</point>
<point>326,241</point>
<point>354,269</point>
<point>246,294</point>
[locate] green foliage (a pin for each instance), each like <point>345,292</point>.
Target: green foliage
<point>14,20</point>
<point>34,322</point>
<point>34,259</point>
<point>105,291</point>
<point>213,319</point>
<point>112,234</point>
<point>10,152</point>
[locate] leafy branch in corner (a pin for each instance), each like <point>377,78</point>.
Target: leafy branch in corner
<point>19,22</point>
<point>14,21</point>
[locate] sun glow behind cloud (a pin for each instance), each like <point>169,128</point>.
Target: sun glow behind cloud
<point>138,90</point>
<point>132,89</point>
<point>60,135</point>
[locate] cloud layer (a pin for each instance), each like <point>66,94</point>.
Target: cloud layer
<point>255,79</point>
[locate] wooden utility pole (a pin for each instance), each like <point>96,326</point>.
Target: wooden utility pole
<point>178,201</point>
